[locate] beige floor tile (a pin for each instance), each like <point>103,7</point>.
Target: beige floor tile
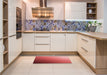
<point>24,66</point>
<point>41,73</point>
<point>41,68</point>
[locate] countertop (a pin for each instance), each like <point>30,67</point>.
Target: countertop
<point>96,35</point>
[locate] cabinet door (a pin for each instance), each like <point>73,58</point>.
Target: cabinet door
<point>12,48</point>
<point>1,55</point>
<point>71,42</point>
<point>75,10</point>
<point>58,42</point>
<point>19,45</point>
<point>92,52</point>
<point>1,10</point>
<point>1,61</point>
<point>28,42</point>
<point>12,17</point>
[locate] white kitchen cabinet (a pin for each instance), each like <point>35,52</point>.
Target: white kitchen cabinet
<point>87,48</point>
<point>1,29</point>
<point>1,61</point>
<point>1,55</point>
<point>12,48</point>
<point>42,42</point>
<point>58,41</point>
<point>75,10</point>
<point>12,17</point>
<point>19,45</point>
<point>28,42</point>
<point>42,47</point>
<point>71,42</point>
<point>1,16</point>
<point>1,45</point>
<point>92,52</point>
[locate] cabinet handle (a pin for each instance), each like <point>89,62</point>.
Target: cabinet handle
<point>84,49</point>
<point>85,40</point>
<point>12,35</point>
<point>42,44</point>
<point>42,36</point>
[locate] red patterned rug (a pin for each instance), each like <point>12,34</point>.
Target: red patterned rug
<point>51,59</point>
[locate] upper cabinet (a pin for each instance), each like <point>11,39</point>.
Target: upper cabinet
<point>91,10</point>
<point>75,10</point>
<point>12,17</point>
<point>1,10</point>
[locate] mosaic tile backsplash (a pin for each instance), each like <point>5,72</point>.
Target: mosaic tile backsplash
<point>48,25</point>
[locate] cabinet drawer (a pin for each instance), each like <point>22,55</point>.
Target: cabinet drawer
<point>87,42</point>
<point>42,40</point>
<point>84,51</point>
<point>84,40</point>
<point>42,34</point>
<point>42,47</point>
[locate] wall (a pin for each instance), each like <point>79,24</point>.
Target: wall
<point>19,3</point>
<point>57,4</point>
<point>105,16</point>
<point>29,5</point>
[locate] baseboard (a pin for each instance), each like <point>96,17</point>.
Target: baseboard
<point>91,67</point>
<point>10,63</point>
<point>49,53</point>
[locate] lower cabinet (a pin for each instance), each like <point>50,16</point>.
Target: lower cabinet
<point>49,42</point>
<point>19,45</point>
<point>15,48</point>
<point>1,55</point>
<point>71,42</point>
<point>42,42</point>
<point>28,42</point>
<point>87,48</point>
<point>58,41</point>
<point>12,48</point>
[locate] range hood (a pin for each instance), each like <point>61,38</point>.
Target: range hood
<point>43,11</point>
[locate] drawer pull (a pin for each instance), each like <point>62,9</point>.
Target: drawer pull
<point>43,36</point>
<point>84,49</point>
<point>42,44</point>
<point>84,40</point>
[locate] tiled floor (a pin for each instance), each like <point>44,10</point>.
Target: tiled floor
<point>24,66</point>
